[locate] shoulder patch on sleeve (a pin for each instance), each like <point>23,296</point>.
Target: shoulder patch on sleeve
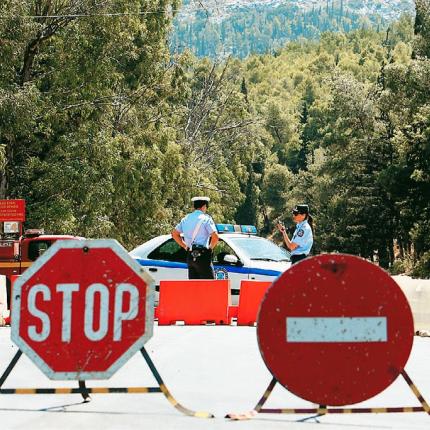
<point>300,233</point>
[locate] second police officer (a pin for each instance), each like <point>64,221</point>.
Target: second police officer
<point>199,238</point>
<point>301,243</point>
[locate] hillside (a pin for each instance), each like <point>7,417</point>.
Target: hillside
<point>211,28</point>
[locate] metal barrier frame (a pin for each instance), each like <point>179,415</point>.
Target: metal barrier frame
<point>85,391</point>
<point>324,410</point>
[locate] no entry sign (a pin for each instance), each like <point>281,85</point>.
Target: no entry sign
<point>335,330</point>
<point>82,309</point>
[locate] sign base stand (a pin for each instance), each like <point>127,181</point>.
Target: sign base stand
<point>324,410</point>
<point>85,392</point>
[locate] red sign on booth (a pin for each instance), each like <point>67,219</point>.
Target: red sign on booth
<point>82,309</point>
<point>12,210</point>
<point>335,330</point>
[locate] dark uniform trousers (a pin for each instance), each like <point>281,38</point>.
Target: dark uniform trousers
<point>200,267</point>
<point>297,258</point>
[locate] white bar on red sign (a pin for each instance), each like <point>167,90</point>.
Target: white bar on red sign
<point>336,329</point>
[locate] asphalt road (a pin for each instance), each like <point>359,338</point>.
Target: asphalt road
<point>216,369</point>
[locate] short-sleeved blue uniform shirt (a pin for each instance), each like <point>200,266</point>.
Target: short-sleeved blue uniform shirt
<point>303,237</point>
<point>189,223</point>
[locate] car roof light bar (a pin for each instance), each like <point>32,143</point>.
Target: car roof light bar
<point>234,228</point>
<point>237,228</point>
<point>225,228</point>
<point>249,229</point>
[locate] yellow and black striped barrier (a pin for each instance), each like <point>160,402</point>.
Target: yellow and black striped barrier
<point>324,410</point>
<point>95,390</point>
<point>86,391</point>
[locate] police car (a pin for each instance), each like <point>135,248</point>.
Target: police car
<point>240,254</point>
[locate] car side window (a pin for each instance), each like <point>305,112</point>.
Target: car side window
<point>37,248</point>
<point>169,251</point>
<point>220,251</point>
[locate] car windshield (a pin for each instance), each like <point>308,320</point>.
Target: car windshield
<point>143,249</point>
<point>258,248</point>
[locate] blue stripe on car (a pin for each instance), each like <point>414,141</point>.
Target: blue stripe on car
<point>161,263</point>
<point>232,269</point>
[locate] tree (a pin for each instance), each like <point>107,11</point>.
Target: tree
<point>83,103</point>
<point>422,28</point>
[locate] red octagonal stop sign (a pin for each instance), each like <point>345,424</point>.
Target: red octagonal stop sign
<point>335,330</point>
<point>83,309</point>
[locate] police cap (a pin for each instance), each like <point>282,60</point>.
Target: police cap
<point>201,199</point>
<point>301,209</point>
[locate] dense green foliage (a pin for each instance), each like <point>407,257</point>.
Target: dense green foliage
<point>244,29</point>
<point>349,120</point>
<point>102,132</point>
<point>106,134</point>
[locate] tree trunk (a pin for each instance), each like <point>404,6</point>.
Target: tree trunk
<point>30,53</point>
<point>391,252</point>
<point>4,176</point>
<point>3,184</point>
<point>383,257</point>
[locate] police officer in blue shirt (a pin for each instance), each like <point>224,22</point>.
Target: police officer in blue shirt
<point>301,243</point>
<point>199,238</point>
